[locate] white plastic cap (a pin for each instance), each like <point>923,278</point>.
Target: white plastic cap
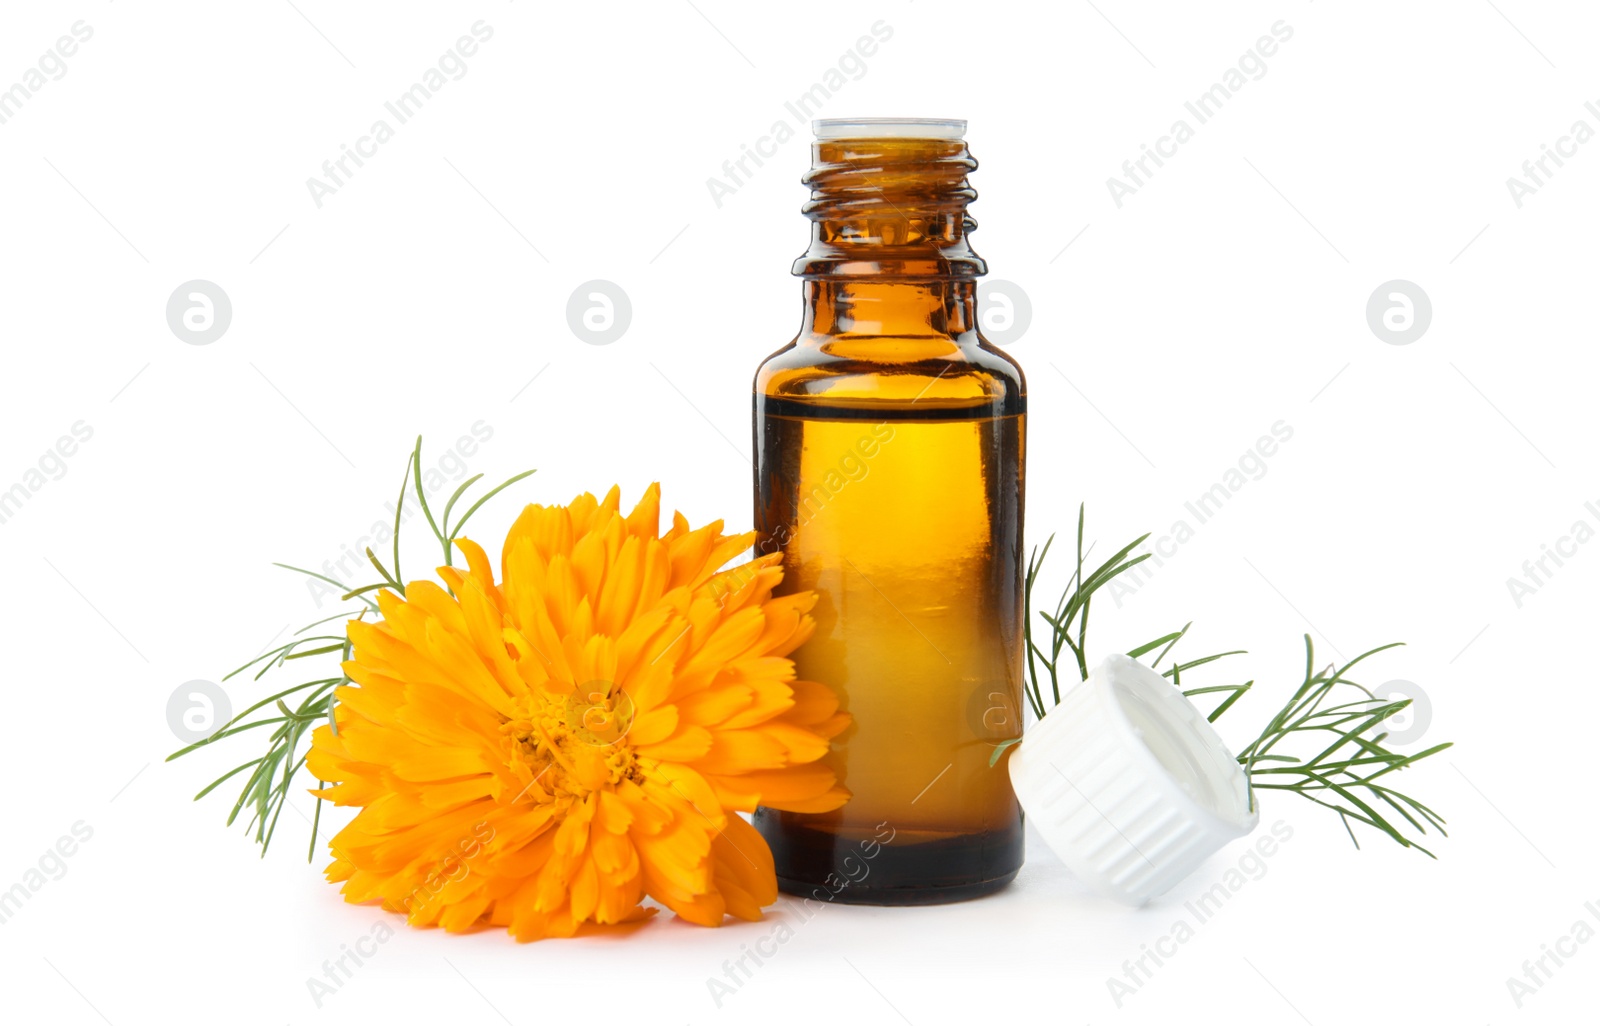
<point>1129,784</point>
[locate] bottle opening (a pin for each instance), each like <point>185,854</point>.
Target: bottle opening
<point>1183,742</point>
<point>889,128</point>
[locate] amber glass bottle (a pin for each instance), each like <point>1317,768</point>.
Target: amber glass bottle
<point>889,471</point>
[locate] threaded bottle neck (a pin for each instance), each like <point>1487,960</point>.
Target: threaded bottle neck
<point>889,200</point>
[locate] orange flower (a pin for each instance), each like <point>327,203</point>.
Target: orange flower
<point>551,750</point>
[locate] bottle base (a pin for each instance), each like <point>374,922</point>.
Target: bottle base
<point>896,896</point>
<point>903,867</point>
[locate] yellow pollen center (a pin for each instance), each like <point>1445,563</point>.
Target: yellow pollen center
<point>569,746</point>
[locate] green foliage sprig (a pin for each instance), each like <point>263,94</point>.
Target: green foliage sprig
<point>266,789</point>
<point>1348,767</point>
<point>1345,775</point>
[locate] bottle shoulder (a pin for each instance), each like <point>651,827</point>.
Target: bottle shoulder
<point>861,370</point>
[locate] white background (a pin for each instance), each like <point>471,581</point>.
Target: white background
<point>1226,294</point>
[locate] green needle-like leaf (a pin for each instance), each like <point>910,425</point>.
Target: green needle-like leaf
<point>271,776</point>
<point>1352,752</point>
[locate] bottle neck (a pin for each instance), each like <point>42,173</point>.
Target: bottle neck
<point>890,209</point>
<point>872,307</point>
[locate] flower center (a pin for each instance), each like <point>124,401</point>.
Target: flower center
<point>570,746</point>
<point>597,716</point>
